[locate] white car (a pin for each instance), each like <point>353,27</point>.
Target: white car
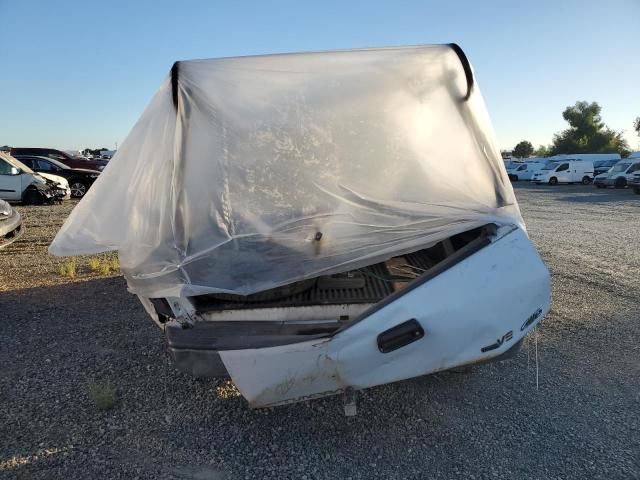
<point>524,171</point>
<point>10,224</point>
<point>19,183</point>
<point>60,183</point>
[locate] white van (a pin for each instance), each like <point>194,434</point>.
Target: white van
<point>566,171</point>
<point>524,171</point>
<point>619,175</point>
<point>19,183</point>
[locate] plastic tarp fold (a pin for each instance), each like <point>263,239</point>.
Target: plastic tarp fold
<point>248,173</point>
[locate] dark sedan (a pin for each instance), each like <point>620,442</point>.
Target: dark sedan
<point>80,179</point>
<point>72,161</point>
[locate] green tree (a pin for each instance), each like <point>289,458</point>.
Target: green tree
<point>523,150</point>
<point>541,151</point>
<point>587,133</point>
<point>636,125</point>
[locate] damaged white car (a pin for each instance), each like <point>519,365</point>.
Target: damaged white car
<point>318,223</point>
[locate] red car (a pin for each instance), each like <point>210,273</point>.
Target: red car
<point>68,160</point>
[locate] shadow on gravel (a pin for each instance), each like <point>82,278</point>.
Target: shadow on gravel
<point>74,297</point>
<point>165,424</point>
<point>578,193</point>
<point>603,197</point>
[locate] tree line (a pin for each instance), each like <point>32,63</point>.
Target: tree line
<point>587,133</point>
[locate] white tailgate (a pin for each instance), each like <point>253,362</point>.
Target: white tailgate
<point>482,301</point>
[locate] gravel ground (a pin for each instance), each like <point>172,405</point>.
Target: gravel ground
<point>62,336</point>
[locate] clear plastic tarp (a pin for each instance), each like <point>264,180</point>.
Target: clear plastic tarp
<point>244,174</point>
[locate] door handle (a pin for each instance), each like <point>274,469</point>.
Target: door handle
<point>400,336</point>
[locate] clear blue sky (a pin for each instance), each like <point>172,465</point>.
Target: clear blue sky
<point>79,73</point>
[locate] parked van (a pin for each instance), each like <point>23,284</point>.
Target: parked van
<point>19,183</point>
<point>524,171</point>
<point>509,164</point>
<point>619,175</point>
<point>566,171</point>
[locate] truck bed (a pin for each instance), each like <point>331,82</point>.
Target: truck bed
<point>377,281</point>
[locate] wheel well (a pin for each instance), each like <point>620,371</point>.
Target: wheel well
<point>32,191</point>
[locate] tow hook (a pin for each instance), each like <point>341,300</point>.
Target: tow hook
<point>350,398</point>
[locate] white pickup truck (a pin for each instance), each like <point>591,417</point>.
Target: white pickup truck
<point>318,223</point>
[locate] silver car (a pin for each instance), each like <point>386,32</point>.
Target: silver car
<point>10,224</point>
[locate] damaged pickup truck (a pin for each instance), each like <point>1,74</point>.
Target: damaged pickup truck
<point>318,223</point>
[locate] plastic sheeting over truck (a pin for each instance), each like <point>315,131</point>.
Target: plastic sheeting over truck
<point>244,174</point>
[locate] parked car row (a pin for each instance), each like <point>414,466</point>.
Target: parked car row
<point>39,179</point>
<point>79,179</point>
<point>618,173</point>
<point>73,161</point>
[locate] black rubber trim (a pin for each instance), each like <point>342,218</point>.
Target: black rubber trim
<point>174,83</point>
<point>460,255</point>
<point>234,335</point>
<point>466,66</point>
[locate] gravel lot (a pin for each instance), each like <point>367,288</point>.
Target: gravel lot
<point>61,336</point>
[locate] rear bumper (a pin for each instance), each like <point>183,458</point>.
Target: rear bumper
<point>10,229</point>
<point>207,363</point>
